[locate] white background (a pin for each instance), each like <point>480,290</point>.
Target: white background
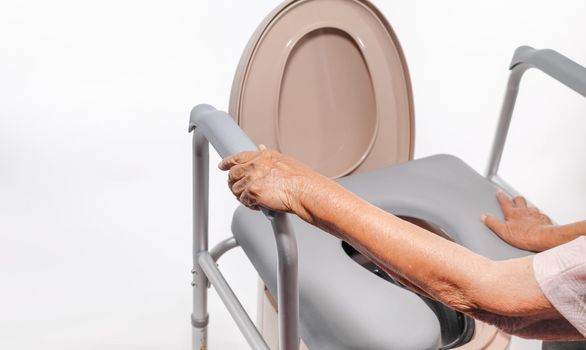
<point>95,156</point>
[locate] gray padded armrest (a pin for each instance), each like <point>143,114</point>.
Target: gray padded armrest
<point>553,64</point>
<point>342,305</point>
<point>220,130</point>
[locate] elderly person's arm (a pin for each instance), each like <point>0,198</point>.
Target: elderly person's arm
<point>504,293</point>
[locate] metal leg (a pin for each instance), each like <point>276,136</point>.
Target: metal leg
<point>243,321</point>
<point>199,316</point>
<point>288,284</point>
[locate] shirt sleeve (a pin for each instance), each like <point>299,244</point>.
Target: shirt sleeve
<point>561,275</point>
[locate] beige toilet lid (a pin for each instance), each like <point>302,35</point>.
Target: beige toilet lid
<point>326,82</point>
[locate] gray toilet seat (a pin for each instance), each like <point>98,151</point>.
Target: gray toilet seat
<point>341,306</point>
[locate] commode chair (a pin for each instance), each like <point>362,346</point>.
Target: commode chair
<point>325,81</point>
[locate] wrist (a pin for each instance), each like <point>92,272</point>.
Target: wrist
<point>567,233</point>
<point>302,186</point>
<point>547,238</point>
<point>308,192</point>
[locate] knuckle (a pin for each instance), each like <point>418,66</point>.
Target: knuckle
<point>241,157</point>
<point>239,186</point>
<point>237,172</point>
<point>258,173</point>
<point>235,159</point>
<point>254,187</point>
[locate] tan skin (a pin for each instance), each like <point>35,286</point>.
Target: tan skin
<point>527,228</point>
<point>503,293</point>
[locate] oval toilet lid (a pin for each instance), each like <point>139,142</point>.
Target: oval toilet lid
<point>326,82</point>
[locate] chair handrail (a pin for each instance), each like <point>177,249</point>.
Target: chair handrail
<point>552,63</point>
<point>227,138</point>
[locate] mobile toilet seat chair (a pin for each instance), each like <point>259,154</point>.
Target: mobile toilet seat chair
<point>302,67</point>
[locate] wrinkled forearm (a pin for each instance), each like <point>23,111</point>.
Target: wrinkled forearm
<point>401,248</point>
<point>501,293</point>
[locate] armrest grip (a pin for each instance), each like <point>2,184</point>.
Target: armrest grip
<point>220,130</point>
<point>553,64</point>
<point>223,133</point>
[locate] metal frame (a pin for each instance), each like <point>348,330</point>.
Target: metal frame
<point>551,63</point>
<point>219,129</point>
